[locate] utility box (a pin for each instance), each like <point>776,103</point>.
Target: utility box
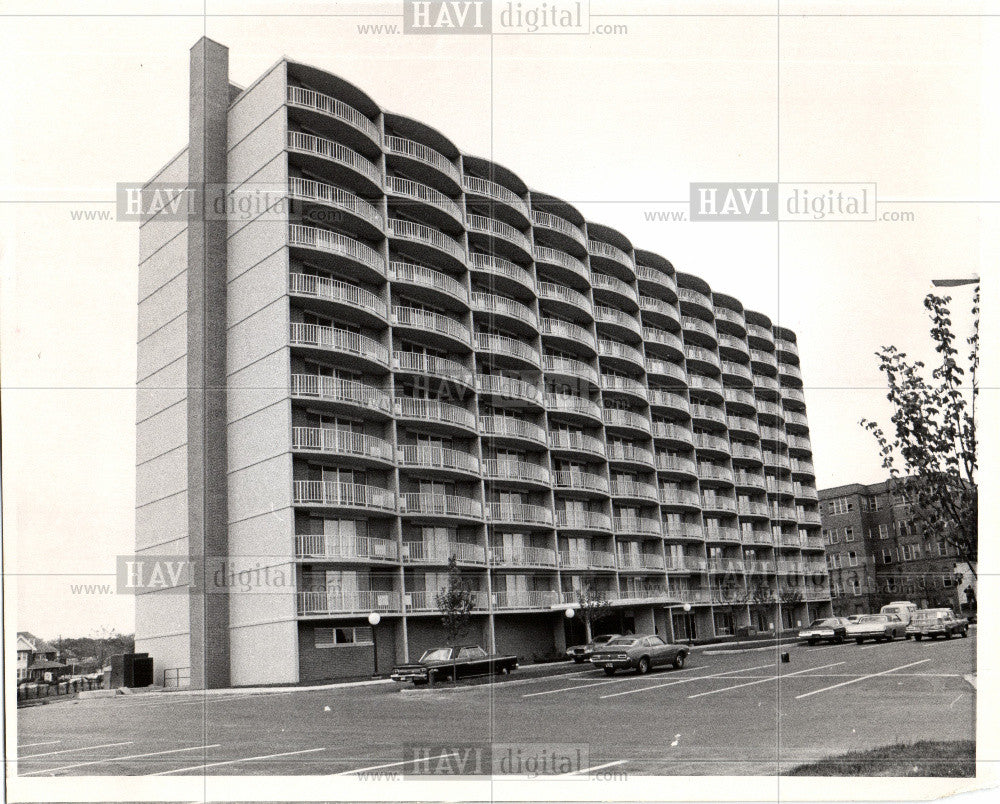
<point>131,670</point>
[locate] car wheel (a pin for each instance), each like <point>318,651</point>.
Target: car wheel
<point>889,637</point>
<point>609,671</point>
<point>965,633</point>
<point>917,637</point>
<point>838,640</point>
<point>643,667</point>
<point>859,640</point>
<point>947,634</point>
<point>505,671</point>
<point>678,661</point>
<point>812,642</point>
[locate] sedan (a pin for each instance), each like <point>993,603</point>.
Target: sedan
<point>581,653</point>
<point>880,627</point>
<point>829,629</point>
<point>639,652</point>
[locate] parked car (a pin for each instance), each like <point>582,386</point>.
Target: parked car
<point>901,608</point>
<point>639,652</point>
<point>932,623</point>
<point>880,627</point>
<point>829,629</point>
<point>452,663</point>
<point>581,653</point>
<point>853,618</point>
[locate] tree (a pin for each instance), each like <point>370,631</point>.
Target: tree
<point>455,602</point>
<point>593,606</point>
<point>761,594</point>
<point>931,454</point>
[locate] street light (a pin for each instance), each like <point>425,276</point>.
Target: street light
<point>954,283</point>
<point>374,619</point>
<point>687,624</point>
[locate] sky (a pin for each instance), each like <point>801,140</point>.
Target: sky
<point>617,125</point>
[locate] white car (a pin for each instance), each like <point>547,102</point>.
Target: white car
<point>879,627</point>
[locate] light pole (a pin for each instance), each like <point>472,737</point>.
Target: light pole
<point>687,621</point>
<point>374,619</point>
<point>955,283</point>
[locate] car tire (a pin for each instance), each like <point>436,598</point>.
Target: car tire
<point>678,661</point>
<point>890,637</point>
<point>917,637</point>
<point>609,671</point>
<point>577,660</point>
<point>859,640</point>
<point>947,634</point>
<point>643,666</point>
<point>838,640</point>
<point>965,633</point>
<point>812,642</point>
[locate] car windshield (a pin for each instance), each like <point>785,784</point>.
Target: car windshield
<point>820,623</point>
<point>436,655</point>
<point>874,618</point>
<point>928,615</point>
<point>602,638</point>
<point>622,641</point>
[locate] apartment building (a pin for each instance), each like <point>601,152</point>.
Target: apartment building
<point>876,553</point>
<point>413,356</point>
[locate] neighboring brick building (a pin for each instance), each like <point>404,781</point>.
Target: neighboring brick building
<point>876,553</point>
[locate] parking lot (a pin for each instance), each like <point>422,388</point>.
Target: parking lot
<point>724,713</point>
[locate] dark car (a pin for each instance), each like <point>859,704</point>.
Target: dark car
<point>639,652</point>
<point>453,663</point>
<point>829,629</point>
<point>581,653</point>
<point>932,623</point>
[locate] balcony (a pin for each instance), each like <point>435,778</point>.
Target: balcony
<point>664,342</point>
<point>751,480</point>
<point>734,344</point>
<point>768,385</point>
<point>436,328</point>
<point>613,318</point>
<point>742,426</point>
<point>796,422</point>
<point>733,318</point>
<point>774,435</point>
<point>572,405</point>
<point>315,192</point>
<point>348,393</point>
<point>434,411</point>
<point>616,384</point>
<point>567,334</point>
<point>322,155</point>
<point>657,311</point>
<point>500,232</point>
<point>657,280</point>
<point>686,564</point>
<point>420,552</point>
<point>583,521</point>
<point>714,503</point>
<point>430,242</point>
<point>440,209</point>
<point>501,308</point>
<point>610,284</point>
<point>613,257</point>
<point>615,353</point>
<point>728,565</point>
<point>328,493</point>
<point>695,298</point>
<point>745,452</point>
<point>507,427</point>
<point>697,327</point>
<point>525,599</point>
<point>565,299</point>
<point>517,351</point>
<point>661,368</point>
<point>345,252</point>
<point>519,514</point>
<point>770,410</point>
<point>669,400</point>
<point>706,387</point>
<point>684,531</point>
<point>637,562</point>
<point>576,442</point>
<point>441,459</point>
<point>776,461</point>
<point>805,492</point>
<point>630,453</point>
<point>803,467</point>
<point>419,156</point>
<point>491,191</point>
<point>793,398</point>
<point>418,276</point>
<point>523,557</point>
<point>673,432</point>
<point>563,262</point>
<point>586,482</point>
<point>810,518</point>
<point>701,357</point>
<point>707,413</point>
<point>333,548</point>
<point>637,526</point>
<point>706,441</point>
<point>502,275</point>
<point>330,339</point>
<point>764,362</point>
<point>338,294</point>
<point>330,107</point>
<point>675,464</point>
<point>748,508</point>
<point>515,471</point>
<point>447,506</point>
<point>715,474</point>
<point>722,534</point>
<point>625,420</point>
<point>569,368</point>
<point>634,490</point>
<point>330,441</point>
<point>740,398</point>
<point>679,498</point>
<point>587,559</point>
<point>736,372</point>
<point>433,366</point>
<point>508,388</point>
<point>559,226</point>
<point>325,603</point>
<point>647,591</point>
<point>800,443</point>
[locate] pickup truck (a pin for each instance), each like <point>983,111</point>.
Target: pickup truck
<point>932,623</point>
<point>453,663</point>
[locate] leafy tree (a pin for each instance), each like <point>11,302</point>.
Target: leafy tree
<point>931,453</point>
<point>455,602</point>
<point>593,605</point>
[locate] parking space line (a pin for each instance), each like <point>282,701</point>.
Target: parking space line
<point>594,768</point>
<point>394,764</point>
<point>686,680</point>
<point>234,761</point>
<point>71,750</point>
<point>116,759</point>
<point>862,678</point>
<point>35,745</point>
<point>765,680</point>
<point>598,684</point>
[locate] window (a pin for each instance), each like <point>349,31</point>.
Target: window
<point>472,653</point>
<point>335,637</point>
<point>947,582</point>
<point>887,556</point>
<point>836,561</point>
<point>841,506</point>
<point>855,586</point>
<point>848,534</point>
<point>852,558</point>
<point>883,531</point>
<point>906,552</point>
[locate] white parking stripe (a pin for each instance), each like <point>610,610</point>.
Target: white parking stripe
<point>597,684</point>
<point>862,678</point>
<point>71,750</point>
<point>594,768</point>
<point>234,761</point>
<point>115,759</point>
<point>394,764</point>
<point>765,680</point>
<point>686,680</point>
<point>34,745</point>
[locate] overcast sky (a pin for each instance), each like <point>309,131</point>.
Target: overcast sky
<point>617,125</point>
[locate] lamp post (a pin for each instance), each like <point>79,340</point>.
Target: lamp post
<point>374,619</point>
<point>687,621</point>
<point>955,283</point>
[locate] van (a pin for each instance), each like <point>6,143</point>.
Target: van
<point>901,608</point>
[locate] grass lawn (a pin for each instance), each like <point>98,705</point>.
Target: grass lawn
<point>924,758</point>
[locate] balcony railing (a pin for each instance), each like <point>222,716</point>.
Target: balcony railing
<point>626,385</point>
<point>734,343</point>
<point>333,243</point>
<point>669,496</point>
<point>716,503</point>
<point>322,287</point>
<point>354,495</point>
<point>512,428</point>
<point>336,197</point>
<point>338,602</point>
<point>428,278</point>
<point>709,471</point>
<point>499,229</point>
<point>554,256</point>
<point>407,188</point>
<point>695,297</point>
<point>357,548</point>
<point>731,317</point>
<point>614,417</point>
<point>340,442</point>
<point>762,333</point>
<point>722,534</point>
<point>419,552</point>
<point>418,233</point>
<point>642,593</point>
<point>525,599</point>
<point>331,389</point>
<point>652,304</point>
<point>433,410</point>
<point>656,276</point>
<point>338,340</point>
<point>613,284</point>
<point>751,508</point>
<point>661,337</point>
<point>634,489</point>
<point>570,367</point>
<point>641,525</point>
<point>709,441</point>
<point>498,266</point>
<point>595,559</point>
<point>613,253</point>
<point>507,387</point>
<point>655,365</point>
<point>585,481</point>
<point>568,403</point>
<point>631,453</point>
<point>505,345</point>
<point>519,513</point>
<point>427,321</point>
<point>523,556</point>
<point>433,366</point>
<point>547,220</point>
<point>422,153</point>
<point>676,432</point>
<point>793,395</point>
<point>736,370</point>
<point>611,315</point>
<point>491,303</point>
<point>554,292</point>
<point>708,412</point>
<point>335,152</point>
<point>686,564</point>
<point>675,463</point>
<point>428,457</point>
<point>490,189</point>
<point>583,520</point>
<point>609,348</point>
<point>580,441</point>
<point>810,518</point>
<point>511,469</point>
<point>440,505</point>
<point>309,99</point>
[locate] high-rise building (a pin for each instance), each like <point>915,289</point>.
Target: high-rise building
<point>405,355</point>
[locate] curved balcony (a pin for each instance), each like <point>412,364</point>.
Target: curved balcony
<point>565,265</point>
<point>793,398</point>
<point>751,508</point>
<point>515,352</point>
<point>766,387</point>
<point>807,493</point>
<point>502,275</point>
<point>438,460</point>
<point>325,493</point>
<point>749,480</point>
<point>564,300</point>
<point>439,208</point>
<point>730,343</point>
<point>572,406</point>
<point>332,548</point>
<point>612,258</point>
<point>567,334</point>
<point>763,335</point>
<point>800,444</point>
<point>342,443</point>
<point>434,328</point>
<point>686,564</point>
<point>742,426</point>
<point>637,526</point>
<point>508,428</point>
<point>617,321</point>
<point>712,474</point>
<point>696,302</point>
<point>500,233</point>
<point>332,110</point>
<point>419,552</point>
<point>675,465</point>
<point>615,384</point>
<point>491,191</point>
<point>439,506</point>
<point>654,280</point>
<point>657,312</point>
<point>583,521</point>
<point>434,411</point>
<point>568,368</point>
<point>810,518</point>
<point>511,313</point>
<point>349,300</point>
<point>657,367</point>
<point>660,341</point>
<point>669,400</point>
<point>634,490</point>
<point>615,354</point>
<point>733,322</point>
<point>325,340</point>
<point>367,218</point>
<point>589,559</point>
<point>736,374</point>
<point>770,412</point>
<point>773,460</point>
<point>431,243</point>
<point>503,388</point>
<point>558,228</point>
<point>723,534</point>
<point>800,466</point>
<point>640,563</point>
<point>790,375</point>
<point>763,362</point>
<point>570,441</point>
<point>585,483</point>
<point>523,557</point>
<point>525,599</point>
<point>740,400</point>
<point>788,351</point>
<point>432,366</point>
<point>522,514</point>
<point>515,472</point>
<point>618,290</point>
<point>630,454</point>
<point>672,432</point>
<point>705,359</point>
<point>711,443</point>
<point>323,156</point>
<point>326,603</point>
<point>679,498</point>
<point>340,394</point>
<point>418,158</point>
<point>626,420</point>
<point>698,331</point>
<point>337,250</point>
<point>773,434</point>
<point>417,276</point>
<point>704,386</point>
